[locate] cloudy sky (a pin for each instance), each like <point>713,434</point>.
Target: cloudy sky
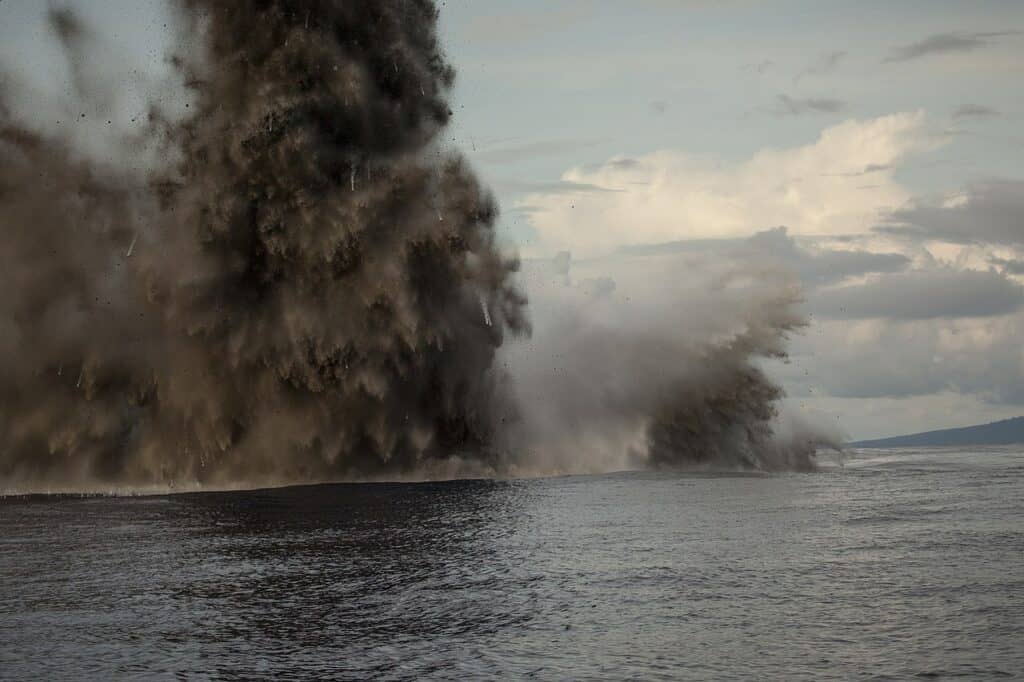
<point>872,148</point>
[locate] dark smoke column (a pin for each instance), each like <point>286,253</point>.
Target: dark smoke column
<point>353,261</point>
<point>328,293</point>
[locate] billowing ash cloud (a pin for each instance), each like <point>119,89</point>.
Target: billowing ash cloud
<point>283,276</point>
<point>311,291</point>
<point>655,359</point>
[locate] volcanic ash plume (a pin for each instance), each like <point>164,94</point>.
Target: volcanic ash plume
<point>657,361</point>
<point>307,289</point>
<point>278,274</point>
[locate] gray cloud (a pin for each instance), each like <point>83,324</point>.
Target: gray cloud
<point>945,43</point>
<point>904,347</point>
<point>793,106</point>
<point>685,246</point>
<point>532,150</point>
<point>868,169</point>
<point>659,107</point>
<point>760,67</point>
<point>922,295</point>
<point>597,287</point>
<point>974,111</point>
<point>621,164</point>
<point>875,167</point>
<point>818,267</point>
<point>521,209</point>
<point>1008,266</point>
<point>824,64</point>
<point>992,212</point>
<point>776,249</point>
<point>907,359</point>
<point>557,187</point>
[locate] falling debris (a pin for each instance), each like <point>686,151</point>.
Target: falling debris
<point>131,247</point>
<point>483,307</point>
<point>80,374</point>
<point>352,178</point>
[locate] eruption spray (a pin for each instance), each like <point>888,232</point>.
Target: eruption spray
<point>281,302</point>
<point>285,277</point>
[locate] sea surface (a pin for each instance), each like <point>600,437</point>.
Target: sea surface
<point>900,564</point>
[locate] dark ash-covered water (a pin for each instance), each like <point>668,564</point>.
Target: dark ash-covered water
<point>902,564</point>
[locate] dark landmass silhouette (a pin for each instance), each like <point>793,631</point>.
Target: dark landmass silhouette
<point>1005,432</point>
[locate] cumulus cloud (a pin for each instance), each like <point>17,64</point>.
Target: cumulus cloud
<point>668,196</point>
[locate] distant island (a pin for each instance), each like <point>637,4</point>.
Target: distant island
<point>1005,432</point>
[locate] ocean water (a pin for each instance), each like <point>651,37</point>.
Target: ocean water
<point>900,564</point>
